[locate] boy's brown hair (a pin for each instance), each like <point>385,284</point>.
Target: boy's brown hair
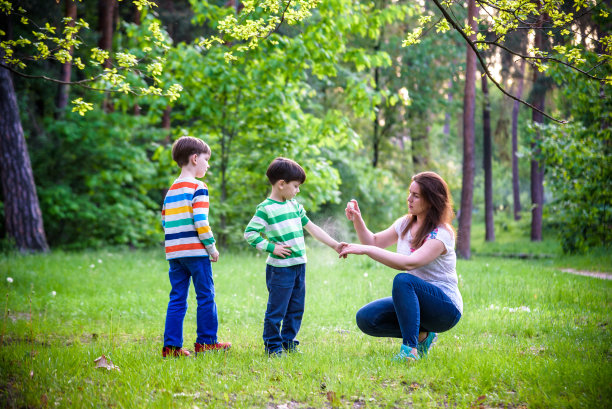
<point>285,169</point>
<point>185,146</point>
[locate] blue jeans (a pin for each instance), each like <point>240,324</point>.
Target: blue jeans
<point>181,271</point>
<point>286,297</point>
<point>415,305</point>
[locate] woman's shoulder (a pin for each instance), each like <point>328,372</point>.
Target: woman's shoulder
<point>400,223</point>
<point>444,232</point>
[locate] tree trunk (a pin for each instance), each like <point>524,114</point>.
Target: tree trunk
<point>420,144</point>
<point>516,194</point>
<point>166,123</point>
<point>486,161</point>
<point>537,169</point>
<point>106,13</point>
<point>22,215</point>
<point>447,115</point>
<point>376,127</point>
<point>469,102</point>
<point>137,18</point>
<point>64,89</point>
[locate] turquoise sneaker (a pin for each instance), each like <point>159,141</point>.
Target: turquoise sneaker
<point>405,354</point>
<point>424,346</point>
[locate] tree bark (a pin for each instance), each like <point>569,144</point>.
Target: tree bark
<point>486,161</point>
<point>106,13</point>
<point>376,127</point>
<point>420,144</point>
<point>447,115</point>
<point>537,169</point>
<point>22,215</point>
<point>469,102</point>
<point>64,89</point>
<point>516,193</point>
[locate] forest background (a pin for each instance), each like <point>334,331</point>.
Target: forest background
<point>336,91</point>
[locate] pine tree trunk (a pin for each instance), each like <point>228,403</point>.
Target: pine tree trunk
<point>106,13</point>
<point>64,89</point>
<point>537,169</point>
<point>22,215</point>
<point>516,193</point>
<point>486,161</point>
<point>420,144</point>
<point>469,102</point>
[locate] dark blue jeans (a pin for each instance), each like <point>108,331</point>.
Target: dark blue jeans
<point>286,296</point>
<point>415,306</point>
<point>181,271</point>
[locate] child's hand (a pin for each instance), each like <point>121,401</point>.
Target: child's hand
<point>214,257</point>
<point>352,249</point>
<point>352,209</point>
<point>340,247</point>
<point>281,250</point>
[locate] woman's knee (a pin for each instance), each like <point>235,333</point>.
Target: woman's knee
<point>403,280</point>
<point>364,320</point>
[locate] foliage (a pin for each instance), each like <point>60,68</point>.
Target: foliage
<point>509,349</point>
<point>247,126</point>
<point>580,178</point>
<point>120,71</point>
<point>577,160</point>
<point>95,182</point>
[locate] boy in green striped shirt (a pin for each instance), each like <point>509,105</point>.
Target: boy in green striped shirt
<point>278,229</point>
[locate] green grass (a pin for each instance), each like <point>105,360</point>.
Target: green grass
<point>556,355</point>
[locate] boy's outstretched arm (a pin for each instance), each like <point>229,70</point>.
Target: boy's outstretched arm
<point>320,234</point>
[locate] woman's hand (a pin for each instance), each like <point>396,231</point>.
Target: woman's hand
<point>352,210</point>
<point>353,249</point>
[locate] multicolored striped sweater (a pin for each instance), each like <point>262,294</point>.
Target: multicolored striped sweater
<point>185,220</point>
<point>282,223</point>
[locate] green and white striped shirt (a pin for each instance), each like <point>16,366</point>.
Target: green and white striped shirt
<point>279,223</point>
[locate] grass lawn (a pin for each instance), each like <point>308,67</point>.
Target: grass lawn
<point>531,336</point>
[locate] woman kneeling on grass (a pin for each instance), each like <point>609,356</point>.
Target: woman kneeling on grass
<point>425,298</point>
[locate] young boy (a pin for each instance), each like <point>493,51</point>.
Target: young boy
<point>190,247</point>
<point>277,228</point>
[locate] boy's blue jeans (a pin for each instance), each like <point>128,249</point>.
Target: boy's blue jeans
<point>415,306</point>
<point>181,271</point>
<point>286,296</point>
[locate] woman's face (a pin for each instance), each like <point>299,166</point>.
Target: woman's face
<point>416,203</point>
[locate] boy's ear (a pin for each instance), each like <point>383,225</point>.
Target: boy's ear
<point>193,158</point>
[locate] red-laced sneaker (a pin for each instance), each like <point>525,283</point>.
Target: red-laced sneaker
<point>174,351</point>
<point>219,346</point>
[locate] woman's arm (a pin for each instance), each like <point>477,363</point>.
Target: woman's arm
<point>381,239</point>
<point>424,255</point>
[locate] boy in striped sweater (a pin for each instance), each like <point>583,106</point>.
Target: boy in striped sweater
<point>277,228</point>
<point>190,247</point>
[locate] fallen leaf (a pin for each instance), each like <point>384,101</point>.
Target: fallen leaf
<point>333,399</point>
<point>103,362</point>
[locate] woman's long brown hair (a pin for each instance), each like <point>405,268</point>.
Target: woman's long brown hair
<point>434,191</point>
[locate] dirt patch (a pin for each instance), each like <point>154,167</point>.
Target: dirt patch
<point>596,274</point>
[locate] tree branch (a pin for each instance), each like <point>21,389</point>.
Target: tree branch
<point>484,65</point>
<point>280,22</point>
<point>528,57</point>
<point>81,83</point>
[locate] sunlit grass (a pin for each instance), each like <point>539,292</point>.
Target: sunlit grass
<point>531,335</point>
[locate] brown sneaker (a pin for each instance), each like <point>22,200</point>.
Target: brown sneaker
<point>174,351</point>
<point>219,346</point>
